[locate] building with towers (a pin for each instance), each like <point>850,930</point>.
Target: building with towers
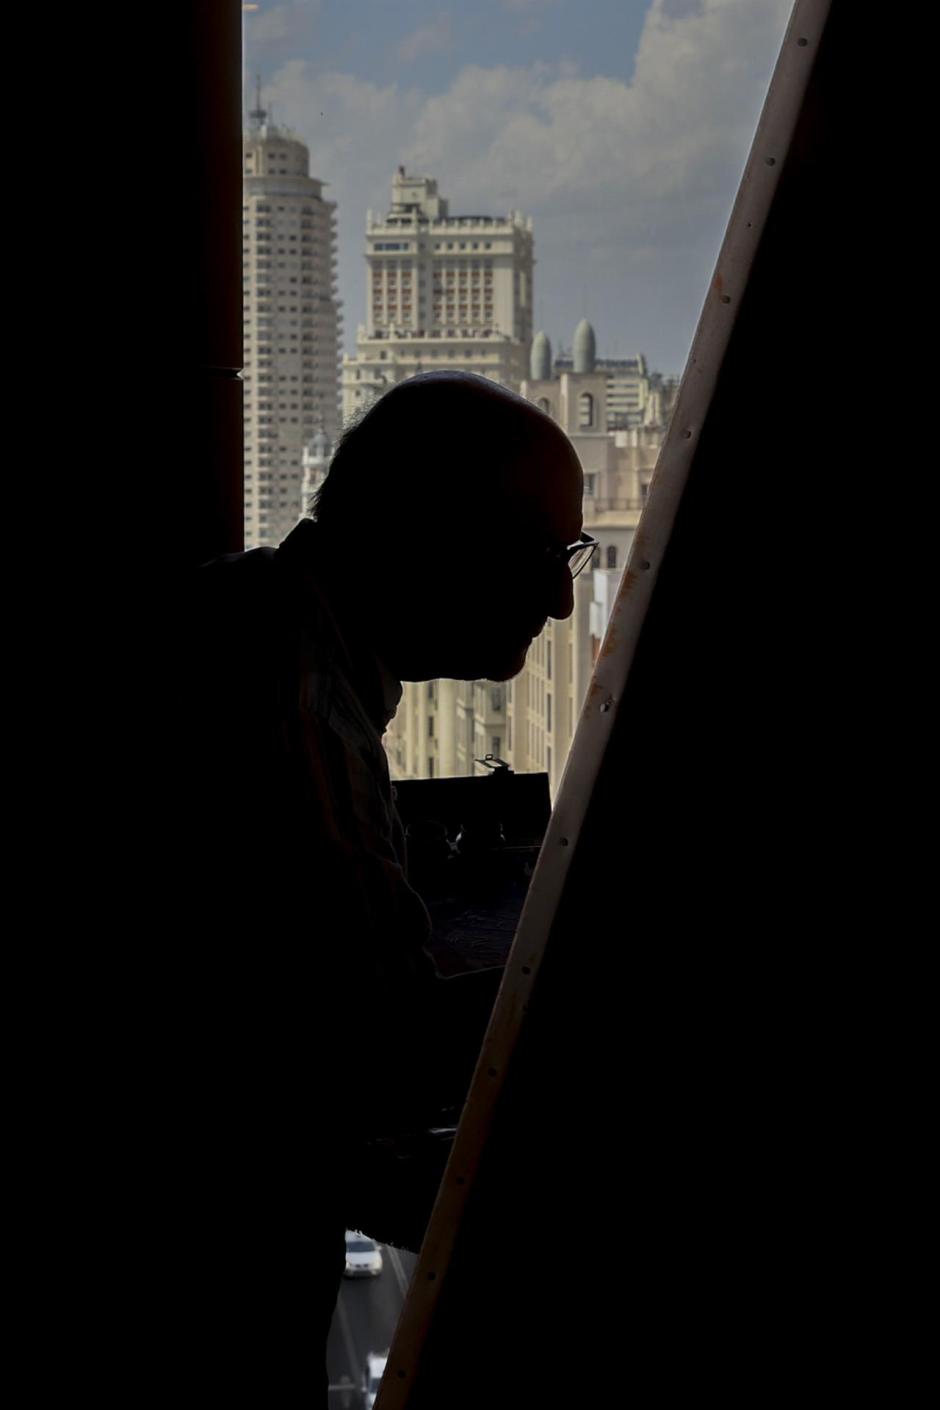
<point>635,396</point>
<point>443,291</point>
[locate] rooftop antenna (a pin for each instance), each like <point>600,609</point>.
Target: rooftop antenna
<point>258,114</point>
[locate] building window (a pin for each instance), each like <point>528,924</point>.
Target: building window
<point>497,743</point>
<point>589,486</point>
<point>548,712</point>
<point>545,405</point>
<point>611,556</point>
<point>430,767</point>
<point>430,726</point>
<point>585,411</point>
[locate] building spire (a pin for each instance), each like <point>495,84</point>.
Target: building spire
<point>258,114</point>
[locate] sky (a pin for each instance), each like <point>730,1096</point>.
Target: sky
<point>620,126</point>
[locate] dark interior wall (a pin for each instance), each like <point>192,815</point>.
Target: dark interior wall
<point>124,297</point>
<point>157,211</point>
<point>123,308</point>
<point>212,256</point>
<point>661,1209</point>
<point>129,268</point>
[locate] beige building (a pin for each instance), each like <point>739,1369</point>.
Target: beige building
<point>314,464</point>
<point>627,386</point>
<point>545,698</point>
<point>444,291</point>
<point>443,728</point>
<point>422,738</point>
<point>292,326</point>
<point>635,396</point>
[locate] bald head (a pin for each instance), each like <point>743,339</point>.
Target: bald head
<point>440,438</point>
<point>455,487</point>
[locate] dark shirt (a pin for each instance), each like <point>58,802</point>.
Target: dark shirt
<point>284,1001</point>
<point>298,857</point>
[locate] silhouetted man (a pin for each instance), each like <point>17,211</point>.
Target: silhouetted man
<point>440,546</point>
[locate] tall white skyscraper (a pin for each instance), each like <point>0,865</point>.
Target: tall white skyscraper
<point>292,325</point>
<point>444,291</point>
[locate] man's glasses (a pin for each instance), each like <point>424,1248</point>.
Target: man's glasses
<point>577,555</point>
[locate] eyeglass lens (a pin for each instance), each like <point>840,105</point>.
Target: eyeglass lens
<point>580,559</point>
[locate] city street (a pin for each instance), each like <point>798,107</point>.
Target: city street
<point>366,1315</point>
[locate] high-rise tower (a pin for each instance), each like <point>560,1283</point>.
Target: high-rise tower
<point>292,324</point>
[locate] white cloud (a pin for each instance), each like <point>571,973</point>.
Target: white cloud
<point>429,38</point>
<point>679,130</point>
<point>629,182</point>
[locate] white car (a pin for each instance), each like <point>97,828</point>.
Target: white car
<point>363,1256</point>
<point>375,1366</point>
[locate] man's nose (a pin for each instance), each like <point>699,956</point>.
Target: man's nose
<point>562,598</point>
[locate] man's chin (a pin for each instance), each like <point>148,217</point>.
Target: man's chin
<point>488,666</point>
<point>511,666</point>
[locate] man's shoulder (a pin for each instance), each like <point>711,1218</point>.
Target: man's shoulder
<point>255,610</point>
<point>222,614</point>
<point>251,559</point>
<point>234,586</point>
<point>231,572</point>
